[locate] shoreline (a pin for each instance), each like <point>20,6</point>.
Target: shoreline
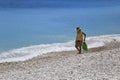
<point>108,46</point>
<point>28,52</point>
<point>98,63</point>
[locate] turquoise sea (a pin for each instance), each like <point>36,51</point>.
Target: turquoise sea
<point>24,27</point>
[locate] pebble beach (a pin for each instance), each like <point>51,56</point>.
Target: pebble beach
<point>101,63</point>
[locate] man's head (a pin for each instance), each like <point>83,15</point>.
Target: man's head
<point>78,29</point>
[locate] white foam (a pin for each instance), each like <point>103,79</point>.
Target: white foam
<point>33,51</point>
<point>29,52</point>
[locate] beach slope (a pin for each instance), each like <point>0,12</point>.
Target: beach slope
<point>101,63</point>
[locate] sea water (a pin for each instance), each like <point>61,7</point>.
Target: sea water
<point>27,33</point>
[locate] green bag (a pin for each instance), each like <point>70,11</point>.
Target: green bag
<point>84,46</point>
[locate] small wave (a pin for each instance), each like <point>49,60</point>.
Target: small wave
<point>29,52</point>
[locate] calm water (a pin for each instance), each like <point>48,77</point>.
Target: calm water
<point>25,27</point>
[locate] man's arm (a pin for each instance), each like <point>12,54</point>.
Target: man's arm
<point>84,36</point>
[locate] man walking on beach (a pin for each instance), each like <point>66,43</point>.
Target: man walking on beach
<point>79,39</point>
